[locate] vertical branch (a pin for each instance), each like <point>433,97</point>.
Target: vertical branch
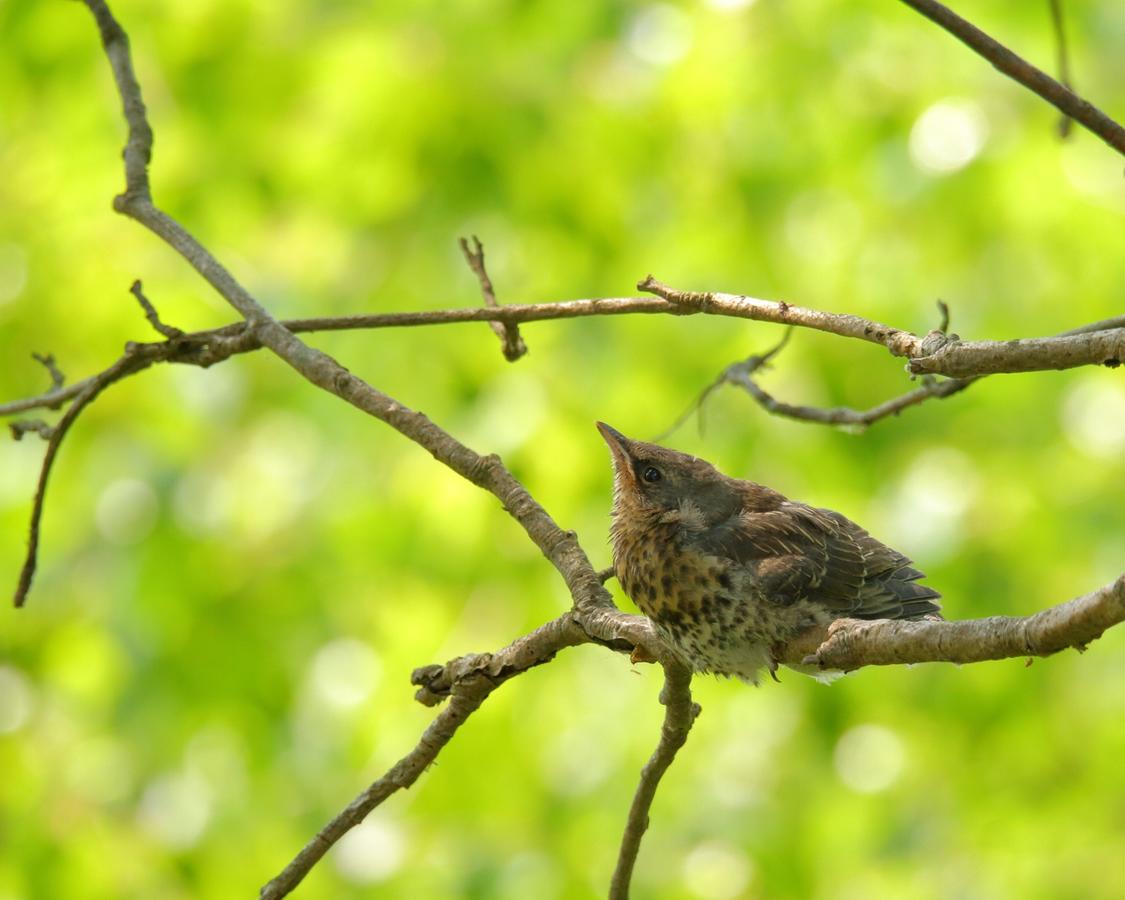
<point>679,715</point>
<point>1062,57</point>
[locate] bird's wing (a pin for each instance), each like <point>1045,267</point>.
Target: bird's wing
<point>797,552</point>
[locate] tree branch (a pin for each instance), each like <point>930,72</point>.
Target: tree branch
<point>560,547</point>
<point>679,715</point>
<point>1019,69</point>
<point>849,644</point>
<point>936,353</point>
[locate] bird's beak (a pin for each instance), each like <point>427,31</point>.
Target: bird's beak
<point>618,446</point>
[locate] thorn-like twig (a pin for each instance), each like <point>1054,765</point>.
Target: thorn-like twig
<point>168,331</point>
<point>509,332</point>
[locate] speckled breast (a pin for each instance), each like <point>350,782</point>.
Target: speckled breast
<point>698,604</point>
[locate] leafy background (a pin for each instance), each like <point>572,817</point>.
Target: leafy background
<point>239,573</point>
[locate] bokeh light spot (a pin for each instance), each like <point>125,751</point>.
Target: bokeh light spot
<point>126,511</point>
<point>371,852</point>
<point>660,34</point>
<point>344,673</point>
<point>13,272</point>
<point>716,870</point>
<point>1093,417</point>
<point>175,809</point>
<point>948,136</point>
<point>869,758</point>
<point>15,699</point>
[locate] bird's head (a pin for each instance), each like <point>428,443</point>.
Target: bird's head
<point>655,482</point>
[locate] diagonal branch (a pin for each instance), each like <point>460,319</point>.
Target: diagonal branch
<point>560,547</point>
<point>1019,69</point>
<point>466,698</point>
<point>679,715</point>
<point>467,682</point>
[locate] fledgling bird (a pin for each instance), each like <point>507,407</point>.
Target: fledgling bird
<point>729,569</point>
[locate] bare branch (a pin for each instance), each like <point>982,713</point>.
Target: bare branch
<point>850,644</point>
<point>936,353</point>
<point>436,682</point>
<point>965,359</point>
<point>739,306</point>
<point>150,312</point>
<point>467,681</point>
<point>508,332</point>
<point>679,714</point>
<point>207,347</point>
<point>1019,69</point>
<point>560,547</point>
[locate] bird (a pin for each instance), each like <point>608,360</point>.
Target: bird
<point>728,570</point>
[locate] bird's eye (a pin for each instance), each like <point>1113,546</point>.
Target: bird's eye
<point>651,474</point>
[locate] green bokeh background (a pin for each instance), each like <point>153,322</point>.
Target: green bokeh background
<point>239,572</point>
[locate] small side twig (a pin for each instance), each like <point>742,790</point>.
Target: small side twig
<point>1062,57</point>
<point>168,331</point>
<point>943,311</point>
<point>22,426</point>
<point>123,367</point>
<point>47,360</point>
<point>508,332</point>
<point>679,715</point>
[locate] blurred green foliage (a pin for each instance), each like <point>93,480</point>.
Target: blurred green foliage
<point>239,573</point>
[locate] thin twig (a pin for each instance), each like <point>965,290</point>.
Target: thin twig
<point>1019,69</point>
<point>1062,57</point>
<point>150,313</point>
<point>508,332</point>
<point>679,714</point>
<point>740,374</point>
<point>127,365</point>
